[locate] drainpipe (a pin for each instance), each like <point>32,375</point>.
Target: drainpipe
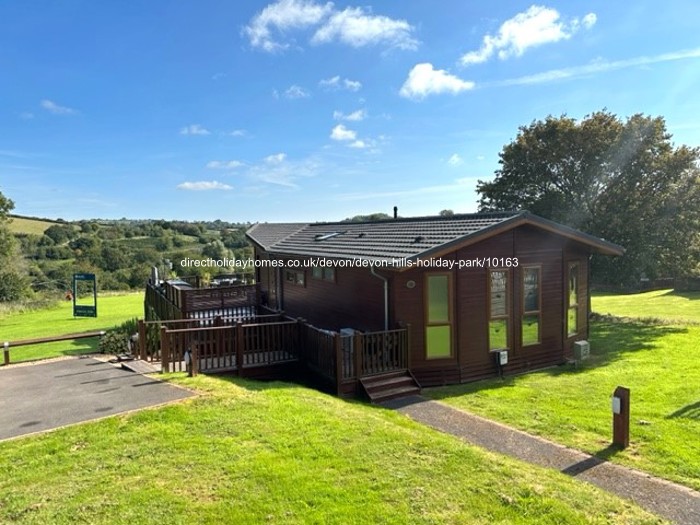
<point>386,296</point>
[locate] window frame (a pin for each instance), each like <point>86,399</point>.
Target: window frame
<point>328,274</point>
<point>575,306</point>
<point>295,274</point>
<point>508,316</point>
<point>450,314</point>
<point>530,313</point>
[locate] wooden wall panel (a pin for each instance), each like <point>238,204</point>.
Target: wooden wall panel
<point>354,300</point>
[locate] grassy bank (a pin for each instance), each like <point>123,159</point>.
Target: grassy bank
<point>247,452</point>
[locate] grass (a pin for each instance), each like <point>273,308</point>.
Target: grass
<point>111,310</point>
<point>666,305</point>
<point>660,363</point>
<point>32,226</point>
<point>247,453</point>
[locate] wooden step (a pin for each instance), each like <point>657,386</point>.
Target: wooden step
<point>393,385</point>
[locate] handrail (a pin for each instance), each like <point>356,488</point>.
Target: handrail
<point>41,340</point>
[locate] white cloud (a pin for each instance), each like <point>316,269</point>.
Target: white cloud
<point>204,185</point>
<point>600,66</point>
<point>341,133</point>
<point>455,160</point>
<point>26,115</point>
<point>424,80</point>
<point>295,92</point>
<point>335,83</point>
<point>359,144</point>
<point>355,116</point>
<point>277,170</point>
<point>54,108</point>
<point>194,129</point>
<point>354,26</point>
<point>537,26</point>
<point>224,164</point>
<point>237,133</point>
<point>277,158</point>
<point>283,16</point>
<point>589,20</point>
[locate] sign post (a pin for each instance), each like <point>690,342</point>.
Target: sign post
<point>84,280</point>
<point>621,417</point>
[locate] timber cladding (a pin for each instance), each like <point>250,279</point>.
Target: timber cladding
<point>535,315</point>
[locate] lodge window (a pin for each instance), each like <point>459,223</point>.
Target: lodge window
<point>572,300</point>
<point>323,273</point>
<point>295,277</point>
<point>532,306</point>
<point>499,310</point>
<point>438,326</point>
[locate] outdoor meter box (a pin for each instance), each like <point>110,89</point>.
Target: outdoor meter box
<point>582,349</point>
<point>502,357</point>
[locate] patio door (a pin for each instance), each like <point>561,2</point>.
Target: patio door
<point>438,315</point>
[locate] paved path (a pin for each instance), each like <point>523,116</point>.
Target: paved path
<point>36,397</point>
<point>666,499</point>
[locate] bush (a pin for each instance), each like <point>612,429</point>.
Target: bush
<point>116,340</point>
<point>12,286</point>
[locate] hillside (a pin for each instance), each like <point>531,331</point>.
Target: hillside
<point>26,225</point>
<point>121,252</point>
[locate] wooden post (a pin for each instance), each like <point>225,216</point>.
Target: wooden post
<point>164,350</point>
<point>240,342</point>
<point>142,340</point>
<point>300,343</point>
<point>219,323</point>
<point>621,417</point>
<point>408,346</point>
<point>6,353</point>
<point>338,362</point>
<point>194,363</point>
<point>358,350</point>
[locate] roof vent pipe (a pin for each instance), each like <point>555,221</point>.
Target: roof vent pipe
<point>396,212</point>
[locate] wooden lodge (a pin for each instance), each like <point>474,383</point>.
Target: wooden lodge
<point>476,290</point>
<point>384,307</point>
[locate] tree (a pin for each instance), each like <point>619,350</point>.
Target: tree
<point>447,213</point>
<point>623,181</point>
<point>13,285</point>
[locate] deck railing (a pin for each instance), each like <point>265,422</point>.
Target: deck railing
<point>149,343</point>
<point>180,301</point>
<point>226,329</point>
<point>229,347</point>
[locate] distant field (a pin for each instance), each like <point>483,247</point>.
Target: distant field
<point>33,226</point>
<point>111,311</point>
<point>666,305</point>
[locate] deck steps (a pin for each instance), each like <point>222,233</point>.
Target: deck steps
<point>393,385</point>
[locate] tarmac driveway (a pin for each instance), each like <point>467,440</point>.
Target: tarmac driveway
<point>42,396</point>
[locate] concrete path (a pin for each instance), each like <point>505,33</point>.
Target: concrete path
<point>669,500</point>
<point>42,396</point>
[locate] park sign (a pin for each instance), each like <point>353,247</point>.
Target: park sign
<point>84,284</point>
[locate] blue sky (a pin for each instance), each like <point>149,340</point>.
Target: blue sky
<point>301,110</point>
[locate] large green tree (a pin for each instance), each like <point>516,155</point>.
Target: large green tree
<point>13,285</point>
<point>624,181</point>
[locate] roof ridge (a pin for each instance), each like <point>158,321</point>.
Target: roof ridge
<point>431,218</point>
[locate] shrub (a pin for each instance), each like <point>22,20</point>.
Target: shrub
<point>116,340</point>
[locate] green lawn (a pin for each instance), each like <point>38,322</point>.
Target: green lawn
<point>249,453</point>
<point>660,363</point>
<point>668,305</point>
<point>111,310</point>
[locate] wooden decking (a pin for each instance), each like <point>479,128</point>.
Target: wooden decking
<point>231,333</point>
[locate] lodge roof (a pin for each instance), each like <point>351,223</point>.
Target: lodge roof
<point>407,238</point>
